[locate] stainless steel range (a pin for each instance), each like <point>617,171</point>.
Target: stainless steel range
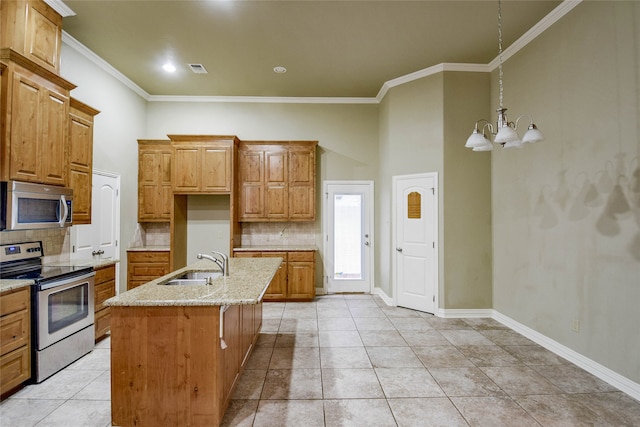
<point>62,303</point>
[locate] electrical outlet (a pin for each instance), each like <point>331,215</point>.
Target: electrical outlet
<point>575,325</point>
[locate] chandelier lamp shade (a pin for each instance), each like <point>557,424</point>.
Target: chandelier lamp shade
<point>505,132</point>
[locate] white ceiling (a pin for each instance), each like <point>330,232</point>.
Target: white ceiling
<point>330,48</point>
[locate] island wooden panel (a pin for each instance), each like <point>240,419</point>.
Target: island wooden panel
<point>168,367</point>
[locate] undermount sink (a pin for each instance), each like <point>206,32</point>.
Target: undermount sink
<point>195,278</point>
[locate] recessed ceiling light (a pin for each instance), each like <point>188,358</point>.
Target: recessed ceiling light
<point>279,70</point>
<point>169,68</point>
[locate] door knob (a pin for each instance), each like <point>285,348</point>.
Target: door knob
<point>399,249</point>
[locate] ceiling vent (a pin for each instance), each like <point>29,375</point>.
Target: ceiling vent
<point>198,68</point>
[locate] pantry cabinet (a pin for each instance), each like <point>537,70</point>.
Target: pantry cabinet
<point>105,288</point>
<point>295,279</point>
<point>155,192</point>
<point>276,181</point>
<point>33,29</point>
<point>81,159</point>
<point>203,164</point>
<point>15,338</point>
<point>35,110</point>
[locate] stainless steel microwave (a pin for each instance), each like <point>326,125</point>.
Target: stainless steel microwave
<point>27,206</point>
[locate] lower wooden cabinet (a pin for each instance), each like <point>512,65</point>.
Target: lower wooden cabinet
<point>144,266</point>
<point>295,279</point>
<point>105,288</point>
<point>15,338</point>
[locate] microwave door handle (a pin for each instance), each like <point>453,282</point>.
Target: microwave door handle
<point>63,202</point>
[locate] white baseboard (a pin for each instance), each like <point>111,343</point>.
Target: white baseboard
<point>464,313</point>
<point>382,294</point>
<point>620,382</point>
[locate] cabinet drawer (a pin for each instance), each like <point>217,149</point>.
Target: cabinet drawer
<point>12,301</point>
<point>15,368</point>
<point>282,255</point>
<point>142,256</point>
<point>301,256</point>
<point>151,271</point>
<point>103,292</point>
<point>105,274</point>
<point>245,254</point>
<point>14,331</point>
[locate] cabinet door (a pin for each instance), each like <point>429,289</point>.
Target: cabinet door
<point>302,197</point>
<point>43,34</point>
<point>186,169</point>
<point>80,166</point>
<point>155,195</point>
<point>301,275</point>
<point>232,336</point>
<point>277,289</point>
<point>148,168</point>
<point>25,129</point>
<point>251,171</point>
<point>276,203</point>
<point>216,169</point>
<point>54,138</point>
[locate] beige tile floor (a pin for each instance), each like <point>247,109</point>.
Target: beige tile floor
<point>353,361</point>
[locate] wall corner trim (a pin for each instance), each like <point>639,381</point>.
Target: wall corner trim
<point>622,383</point>
<point>382,294</point>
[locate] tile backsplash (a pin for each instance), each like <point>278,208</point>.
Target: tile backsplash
<point>56,242</point>
<point>151,234</point>
<point>278,233</point>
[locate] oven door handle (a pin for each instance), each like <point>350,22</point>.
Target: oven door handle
<point>65,210</point>
<point>66,281</point>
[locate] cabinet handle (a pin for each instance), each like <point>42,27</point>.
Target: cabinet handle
<point>223,344</point>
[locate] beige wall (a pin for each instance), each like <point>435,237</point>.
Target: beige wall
<point>411,136</point>
<point>466,196</point>
<point>566,212</point>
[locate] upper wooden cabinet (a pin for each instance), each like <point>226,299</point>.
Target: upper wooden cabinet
<point>155,194</point>
<point>33,29</point>
<point>35,113</point>
<point>276,181</point>
<point>203,164</point>
<point>81,159</point>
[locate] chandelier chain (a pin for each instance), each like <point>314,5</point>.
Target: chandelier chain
<point>500,52</point>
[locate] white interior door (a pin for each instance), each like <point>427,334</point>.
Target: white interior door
<point>416,228</point>
<point>348,213</point>
<point>99,240</point>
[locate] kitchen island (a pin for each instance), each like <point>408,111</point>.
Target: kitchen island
<point>177,351</point>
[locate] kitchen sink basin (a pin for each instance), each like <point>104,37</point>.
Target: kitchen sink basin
<point>195,278</point>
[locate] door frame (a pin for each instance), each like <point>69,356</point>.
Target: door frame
<point>325,229</point>
<point>436,237</point>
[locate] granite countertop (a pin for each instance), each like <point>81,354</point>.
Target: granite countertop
<point>247,282</point>
<point>149,248</point>
<point>10,284</point>
<point>276,248</point>
<point>94,263</point>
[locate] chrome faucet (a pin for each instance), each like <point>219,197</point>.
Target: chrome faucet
<point>223,264</point>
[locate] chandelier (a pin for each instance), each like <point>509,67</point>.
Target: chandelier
<point>505,132</point>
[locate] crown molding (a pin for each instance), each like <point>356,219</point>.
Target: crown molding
<point>554,16</point>
<point>262,99</point>
<point>445,66</point>
<point>104,65</point>
<point>60,7</point>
